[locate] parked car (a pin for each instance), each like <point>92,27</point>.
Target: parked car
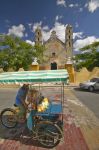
<point>91,85</point>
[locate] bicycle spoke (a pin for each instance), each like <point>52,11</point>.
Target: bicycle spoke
<point>49,135</point>
<point>8,118</point>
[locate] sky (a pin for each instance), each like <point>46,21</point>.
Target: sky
<point>21,18</point>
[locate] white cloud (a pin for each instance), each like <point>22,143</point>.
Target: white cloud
<point>26,34</point>
<point>80,9</point>
<point>58,18</point>
<point>73,5</point>
<point>36,25</point>
<point>17,30</point>
<point>30,42</point>
<point>46,35</point>
<point>46,32</point>
<point>83,42</point>
<point>30,25</point>
<point>60,31</point>
<point>78,35</point>
<point>45,28</point>
<point>61,2</point>
<point>76,25</point>
<point>92,5</point>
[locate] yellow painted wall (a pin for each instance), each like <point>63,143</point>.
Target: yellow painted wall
<point>71,72</point>
<point>34,67</point>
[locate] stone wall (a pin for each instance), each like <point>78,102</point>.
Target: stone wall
<point>84,74</point>
<point>57,47</point>
<point>94,73</point>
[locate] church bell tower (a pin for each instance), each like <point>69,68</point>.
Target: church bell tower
<point>38,36</point>
<point>69,41</point>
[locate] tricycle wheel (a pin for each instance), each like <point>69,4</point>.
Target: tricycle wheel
<point>8,118</point>
<point>49,134</point>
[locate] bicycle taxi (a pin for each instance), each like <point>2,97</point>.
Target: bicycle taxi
<point>46,120</point>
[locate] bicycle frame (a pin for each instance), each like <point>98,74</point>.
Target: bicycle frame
<point>55,108</point>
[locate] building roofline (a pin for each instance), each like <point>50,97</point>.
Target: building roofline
<point>57,39</point>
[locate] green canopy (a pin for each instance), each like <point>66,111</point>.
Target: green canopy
<point>34,76</point>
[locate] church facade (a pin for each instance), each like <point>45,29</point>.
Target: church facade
<point>57,52</point>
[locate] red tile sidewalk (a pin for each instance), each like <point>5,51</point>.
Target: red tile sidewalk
<point>73,140</point>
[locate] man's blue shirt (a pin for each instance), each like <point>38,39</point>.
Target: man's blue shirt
<point>21,94</point>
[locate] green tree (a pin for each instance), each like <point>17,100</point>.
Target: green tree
<point>89,58</point>
<point>4,59</point>
<point>17,53</point>
<point>39,53</point>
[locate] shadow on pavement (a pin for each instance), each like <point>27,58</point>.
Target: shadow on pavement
<point>19,133</point>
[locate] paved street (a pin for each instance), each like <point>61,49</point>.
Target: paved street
<point>7,97</point>
<point>90,99</point>
<point>81,126</point>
